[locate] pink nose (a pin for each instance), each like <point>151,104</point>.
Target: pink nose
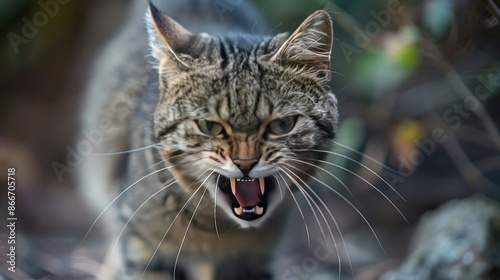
<point>245,165</point>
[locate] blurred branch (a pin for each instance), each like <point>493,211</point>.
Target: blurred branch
<point>488,164</point>
<point>480,112</point>
<point>475,136</point>
<point>457,83</point>
<point>458,156</point>
<point>493,8</point>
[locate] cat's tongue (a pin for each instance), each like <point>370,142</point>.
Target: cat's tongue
<point>247,192</point>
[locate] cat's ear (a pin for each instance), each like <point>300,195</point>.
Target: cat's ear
<point>309,47</point>
<point>167,38</point>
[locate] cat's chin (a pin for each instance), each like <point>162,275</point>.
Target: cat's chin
<point>246,200</point>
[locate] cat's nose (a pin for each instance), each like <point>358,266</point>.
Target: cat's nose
<point>245,165</point>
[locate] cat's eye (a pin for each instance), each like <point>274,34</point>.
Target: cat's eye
<point>282,126</point>
<point>210,127</point>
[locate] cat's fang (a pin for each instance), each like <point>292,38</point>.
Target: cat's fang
<point>262,185</point>
<point>259,210</point>
<point>233,185</point>
<point>238,210</point>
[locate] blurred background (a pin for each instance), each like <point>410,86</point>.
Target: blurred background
<point>418,83</point>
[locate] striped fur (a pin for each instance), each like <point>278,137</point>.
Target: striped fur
<point>242,82</point>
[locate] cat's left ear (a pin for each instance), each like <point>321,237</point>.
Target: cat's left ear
<point>310,46</point>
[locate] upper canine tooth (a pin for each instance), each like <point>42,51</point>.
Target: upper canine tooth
<point>259,210</point>
<point>233,185</point>
<point>262,185</point>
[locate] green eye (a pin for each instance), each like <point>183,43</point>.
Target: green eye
<point>210,128</point>
<point>282,126</point>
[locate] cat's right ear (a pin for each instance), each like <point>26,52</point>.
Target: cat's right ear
<point>166,37</point>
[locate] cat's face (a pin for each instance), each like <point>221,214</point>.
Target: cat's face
<point>242,114</point>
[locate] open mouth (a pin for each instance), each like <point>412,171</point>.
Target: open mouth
<point>247,196</point>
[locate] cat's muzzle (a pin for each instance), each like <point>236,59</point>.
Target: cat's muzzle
<point>247,196</point>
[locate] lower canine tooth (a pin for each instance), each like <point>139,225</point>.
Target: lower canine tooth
<point>239,210</point>
<point>233,185</point>
<point>262,185</point>
<point>259,210</point>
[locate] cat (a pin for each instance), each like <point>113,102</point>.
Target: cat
<point>228,126</point>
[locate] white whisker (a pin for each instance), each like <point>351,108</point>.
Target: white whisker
<point>153,165</point>
<point>163,161</point>
<point>300,210</point>
<point>321,212</point>
<point>215,206</point>
<point>171,182</point>
<point>177,216</point>
<point>366,181</point>
<point>307,197</point>
<point>121,193</point>
<point>366,167</point>
<point>327,172</point>
<point>127,151</point>
<point>334,221</point>
<point>350,204</point>
<point>187,229</point>
<point>279,187</point>
<point>366,156</point>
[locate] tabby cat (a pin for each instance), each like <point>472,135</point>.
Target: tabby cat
<point>228,124</point>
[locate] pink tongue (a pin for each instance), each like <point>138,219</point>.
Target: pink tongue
<point>247,193</point>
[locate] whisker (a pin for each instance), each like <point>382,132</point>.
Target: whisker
<point>366,181</point>
<point>118,196</point>
<point>153,165</point>
<point>366,167</point>
<point>177,216</point>
<point>333,219</point>
<point>215,206</point>
<point>279,186</point>
<point>327,172</point>
<point>307,197</point>
<point>366,156</point>
<point>300,210</point>
<point>321,212</point>
<point>163,161</point>
<point>127,151</point>
<point>350,204</point>
<point>171,182</point>
<point>126,189</point>
<point>187,229</point>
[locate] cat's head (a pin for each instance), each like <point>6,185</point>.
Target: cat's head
<point>245,115</point>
